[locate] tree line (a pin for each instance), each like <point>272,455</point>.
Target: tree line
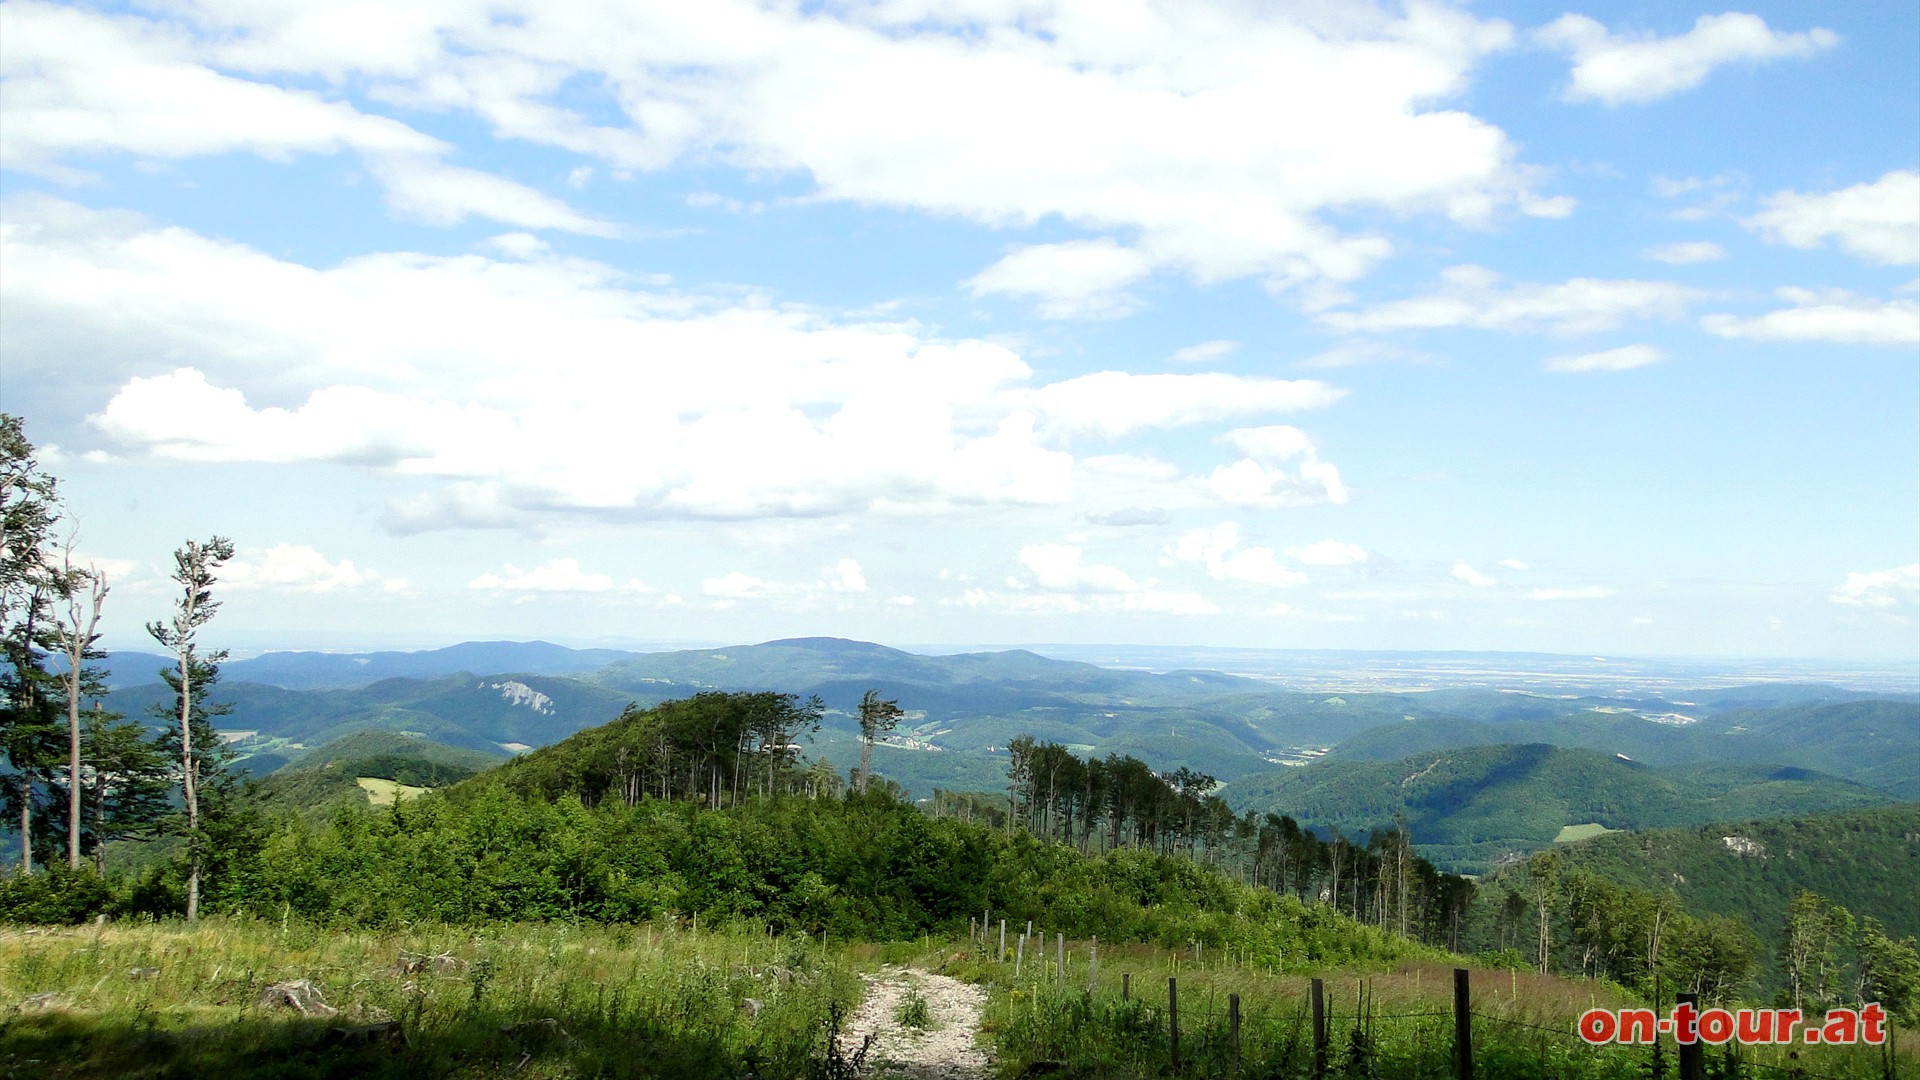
<point>1099,804</point>
<point>115,779</point>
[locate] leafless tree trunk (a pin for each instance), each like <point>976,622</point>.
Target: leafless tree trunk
<point>76,643</point>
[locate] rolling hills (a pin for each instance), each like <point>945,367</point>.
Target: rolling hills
<point>1467,807</point>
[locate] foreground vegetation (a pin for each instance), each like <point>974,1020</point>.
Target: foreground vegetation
<point>509,998</point>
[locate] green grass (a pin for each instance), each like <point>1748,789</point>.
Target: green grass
<point>387,792</point>
<point>1569,833</point>
<point>1390,1022</point>
<point>505,999</point>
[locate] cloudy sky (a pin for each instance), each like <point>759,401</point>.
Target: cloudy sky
<point>1287,324</point>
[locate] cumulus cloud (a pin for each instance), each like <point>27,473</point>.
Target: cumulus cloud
<point>533,383</point>
<point>1262,478</point>
<point>1624,358</point>
<point>561,575</point>
<point>1634,68</point>
<point>1217,138</point>
<point>1464,571</point>
<point>1473,296</point>
<point>1060,567</point>
<point>1514,564</point>
<point>1219,550</point>
<point>1329,553</point>
<point>1830,315</point>
<point>1877,221</point>
<point>300,568</point>
<point>1880,588</point>
<point>82,83</point>
<point>843,577</point>
<point>1686,252</point>
<point>1076,279</point>
<point>1061,582</point>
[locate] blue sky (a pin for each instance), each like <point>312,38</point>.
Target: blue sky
<point>1501,326</point>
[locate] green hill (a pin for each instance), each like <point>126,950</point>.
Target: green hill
<point>1867,861</point>
<point>1874,741</point>
<point>1467,807</point>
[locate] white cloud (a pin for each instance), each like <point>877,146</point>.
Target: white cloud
<point>1218,549</point>
<point>1515,564</point>
<point>1217,138</point>
<point>1329,553</point>
<point>533,383</point>
<point>1880,588</point>
<point>842,578</point>
<point>1072,280</point>
<point>1624,358</point>
<point>81,83</point>
<point>1472,296</point>
<point>1261,479</point>
<point>1878,221</point>
<point>300,568</point>
<point>561,575</point>
<point>1064,583</point>
<point>1205,352</point>
<point>1831,315</point>
<point>1619,69</point>
<point>537,382</point>
<point>1686,252</point>
<point>553,575</point>
<point>1465,572</point>
<point>1113,403</point>
<point>1059,567</point>
<point>1590,592</point>
<point>845,576</point>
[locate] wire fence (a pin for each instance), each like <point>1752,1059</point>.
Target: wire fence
<point>1183,1018</point>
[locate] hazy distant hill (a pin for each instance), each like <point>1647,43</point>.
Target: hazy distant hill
<point>1468,806</point>
<point>1871,740</point>
<point>486,696</point>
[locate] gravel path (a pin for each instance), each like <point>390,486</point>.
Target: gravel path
<point>945,1051</point>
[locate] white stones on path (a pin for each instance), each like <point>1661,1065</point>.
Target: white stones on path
<point>947,1050</point>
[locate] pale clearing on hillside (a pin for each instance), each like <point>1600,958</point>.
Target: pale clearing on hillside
<point>947,1050</point>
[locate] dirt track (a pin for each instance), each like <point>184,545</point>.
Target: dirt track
<point>945,1051</point>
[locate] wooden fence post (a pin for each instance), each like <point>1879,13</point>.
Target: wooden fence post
<point>1233,1027</point>
<point>1093,964</point>
<point>1173,1018</point>
<point>1060,958</point>
<point>1462,1026</point>
<point>1019,955</point>
<point>1126,986</point>
<point>1001,956</point>
<point>1319,1029</point>
<point>1693,1055</point>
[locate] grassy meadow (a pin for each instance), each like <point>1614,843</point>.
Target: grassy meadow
<point>172,1000</point>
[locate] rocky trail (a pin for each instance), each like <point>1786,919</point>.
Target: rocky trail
<point>945,1050</point>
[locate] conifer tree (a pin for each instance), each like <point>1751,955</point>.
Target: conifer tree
<point>877,716</point>
<point>194,674</point>
<point>29,509</point>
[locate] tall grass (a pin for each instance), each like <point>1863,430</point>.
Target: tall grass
<point>526,1000</point>
<point>1390,1023</point>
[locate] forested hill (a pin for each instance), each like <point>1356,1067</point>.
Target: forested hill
<point>1867,861</point>
<point>964,709</point>
<point>1468,807</point>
